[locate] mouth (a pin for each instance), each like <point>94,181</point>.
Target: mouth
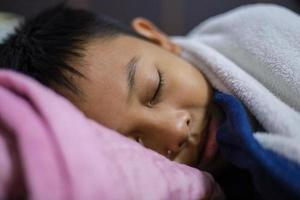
<point>201,148</point>
<point>208,144</point>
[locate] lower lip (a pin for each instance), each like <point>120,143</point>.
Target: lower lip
<point>211,146</point>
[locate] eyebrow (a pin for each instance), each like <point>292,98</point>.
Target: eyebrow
<point>131,69</point>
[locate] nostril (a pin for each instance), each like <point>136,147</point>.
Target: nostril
<point>188,122</point>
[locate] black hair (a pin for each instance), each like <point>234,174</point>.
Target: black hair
<point>42,46</point>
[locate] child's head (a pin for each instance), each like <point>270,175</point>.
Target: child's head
<point>129,79</point>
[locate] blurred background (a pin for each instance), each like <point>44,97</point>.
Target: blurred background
<point>175,17</point>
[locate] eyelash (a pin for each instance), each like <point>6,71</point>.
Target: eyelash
<point>157,93</point>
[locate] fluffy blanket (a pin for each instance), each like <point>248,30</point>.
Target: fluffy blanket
<point>273,176</point>
<point>49,150</point>
<point>253,53</point>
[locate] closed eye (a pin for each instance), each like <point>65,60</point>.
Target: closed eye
<point>157,94</point>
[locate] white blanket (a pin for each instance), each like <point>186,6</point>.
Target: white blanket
<point>253,53</point>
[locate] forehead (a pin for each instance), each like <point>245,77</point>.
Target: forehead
<point>105,89</point>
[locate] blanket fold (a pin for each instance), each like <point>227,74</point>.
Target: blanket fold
<point>274,176</point>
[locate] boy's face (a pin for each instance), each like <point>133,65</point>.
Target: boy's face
<point>123,91</point>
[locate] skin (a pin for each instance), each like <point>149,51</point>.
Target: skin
<point>175,121</point>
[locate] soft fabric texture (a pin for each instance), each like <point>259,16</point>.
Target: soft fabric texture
<point>253,53</point>
<point>49,150</point>
<point>274,176</point>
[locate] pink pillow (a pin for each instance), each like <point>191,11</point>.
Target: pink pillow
<point>50,150</point>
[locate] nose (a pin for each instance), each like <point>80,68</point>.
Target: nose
<point>174,129</point>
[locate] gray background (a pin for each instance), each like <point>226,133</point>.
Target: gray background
<point>175,17</point>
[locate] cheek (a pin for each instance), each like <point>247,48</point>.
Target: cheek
<point>192,87</point>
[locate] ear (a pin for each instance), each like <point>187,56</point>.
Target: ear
<point>147,29</point>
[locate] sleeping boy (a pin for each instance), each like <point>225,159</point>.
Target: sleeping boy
<point>139,82</point>
<point>147,92</point>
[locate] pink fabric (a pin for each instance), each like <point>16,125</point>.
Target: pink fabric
<point>50,150</point>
